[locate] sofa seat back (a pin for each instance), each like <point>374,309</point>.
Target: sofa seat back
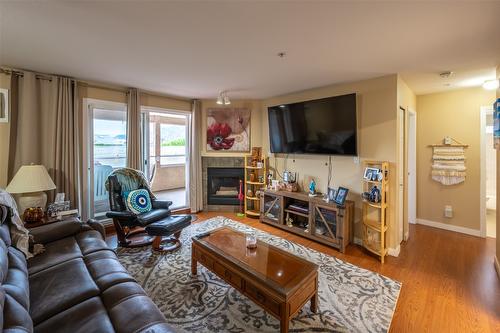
<point>14,289</point>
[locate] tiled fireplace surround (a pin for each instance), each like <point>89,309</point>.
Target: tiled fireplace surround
<point>218,162</point>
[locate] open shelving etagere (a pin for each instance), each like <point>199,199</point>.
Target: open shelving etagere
<point>375,230</point>
<point>252,203</point>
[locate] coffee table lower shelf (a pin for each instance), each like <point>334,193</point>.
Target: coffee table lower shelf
<point>282,307</point>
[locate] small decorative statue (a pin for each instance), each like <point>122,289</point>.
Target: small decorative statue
<point>312,188</point>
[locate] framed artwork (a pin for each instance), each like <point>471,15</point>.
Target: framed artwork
<point>4,105</point>
<point>341,195</point>
<point>228,129</point>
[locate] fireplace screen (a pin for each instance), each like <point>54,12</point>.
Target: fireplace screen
<point>223,185</point>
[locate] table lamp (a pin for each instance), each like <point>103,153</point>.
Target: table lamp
<point>30,182</point>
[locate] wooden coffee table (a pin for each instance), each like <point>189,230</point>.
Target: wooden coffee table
<point>278,281</point>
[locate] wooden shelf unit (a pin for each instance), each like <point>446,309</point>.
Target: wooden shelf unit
<point>252,203</point>
<point>373,227</point>
<point>326,223</point>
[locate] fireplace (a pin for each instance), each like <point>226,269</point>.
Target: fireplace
<point>223,185</point>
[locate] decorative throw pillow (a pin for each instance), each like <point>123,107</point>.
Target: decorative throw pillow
<point>138,201</point>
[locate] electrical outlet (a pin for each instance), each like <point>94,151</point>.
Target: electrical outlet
<point>356,159</point>
<point>448,211</point>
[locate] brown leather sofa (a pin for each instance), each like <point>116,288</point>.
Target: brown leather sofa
<point>76,285</point>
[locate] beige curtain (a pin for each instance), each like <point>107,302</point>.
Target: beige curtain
<point>195,176</point>
<point>45,129</point>
<point>134,137</point>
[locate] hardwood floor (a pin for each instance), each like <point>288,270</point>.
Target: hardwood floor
<point>449,281</point>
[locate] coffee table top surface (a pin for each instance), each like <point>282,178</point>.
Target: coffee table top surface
<point>278,268</point>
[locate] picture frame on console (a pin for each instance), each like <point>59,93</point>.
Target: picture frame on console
<point>332,193</point>
<point>341,196</point>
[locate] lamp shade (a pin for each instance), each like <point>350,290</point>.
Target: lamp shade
<point>31,178</point>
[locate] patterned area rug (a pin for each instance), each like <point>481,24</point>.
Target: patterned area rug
<point>351,299</point>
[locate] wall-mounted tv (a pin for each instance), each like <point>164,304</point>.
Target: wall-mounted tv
<point>321,126</point>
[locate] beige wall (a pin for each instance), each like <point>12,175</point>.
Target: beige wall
<point>377,126</point>
<point>255,124</point>
<point>455,114</point>
<point>4,137</point>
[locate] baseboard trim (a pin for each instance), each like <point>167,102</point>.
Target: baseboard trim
<point>393,252</point>
<point>439,225</point>
<point>497,266</point>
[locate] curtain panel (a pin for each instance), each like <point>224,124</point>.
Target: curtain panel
<point>134,137</point>
<point>45,129</point>
<point>195,176</point>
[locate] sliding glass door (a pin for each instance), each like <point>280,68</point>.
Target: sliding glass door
<point>106,150</point>
<point>166,154</point>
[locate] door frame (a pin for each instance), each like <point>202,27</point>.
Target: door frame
<point>485,110</point>
<point>412,119</point>
<point>145,110</point>
<point>403,178</point>
<point>88,154</point>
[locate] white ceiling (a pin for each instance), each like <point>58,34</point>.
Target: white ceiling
<point>195,49</point>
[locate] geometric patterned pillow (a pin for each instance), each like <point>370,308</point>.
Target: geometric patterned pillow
<point>138,201</point>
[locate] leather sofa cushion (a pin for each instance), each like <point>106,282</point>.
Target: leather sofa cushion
<point>168,225</point>
<point>90,241</point>
<point>14,290</point>
<point>55,253</point>
<point>125,299</point>
<point>153,216</point>
<point>106,270</point>
<point>88,316</point>
<point>60,287</point>
<point>15,317</point>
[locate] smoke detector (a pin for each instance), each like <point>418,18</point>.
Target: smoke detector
<point>445,75</point>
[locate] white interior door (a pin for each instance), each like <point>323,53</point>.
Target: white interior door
<point>412,167</point>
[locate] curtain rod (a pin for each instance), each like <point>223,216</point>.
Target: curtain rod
<point>20,73</point>
<point>97,86</point>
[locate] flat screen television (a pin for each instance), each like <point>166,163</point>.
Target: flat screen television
<point>321,126</point>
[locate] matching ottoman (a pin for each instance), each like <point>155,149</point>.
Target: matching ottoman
<point>167,231</point>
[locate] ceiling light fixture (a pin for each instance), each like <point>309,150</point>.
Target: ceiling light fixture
<point>491,84</point>
<point>223,98</point>
<point>220,99</point>
<point>445,75</point>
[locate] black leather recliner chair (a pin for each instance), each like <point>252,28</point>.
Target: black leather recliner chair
<point>158,226</point>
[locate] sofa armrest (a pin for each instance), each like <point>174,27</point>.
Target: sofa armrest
<point>97,227</point>
<point>160,204</point>
<point>55,231</point>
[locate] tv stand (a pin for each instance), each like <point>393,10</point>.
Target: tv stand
<point>309,217</point>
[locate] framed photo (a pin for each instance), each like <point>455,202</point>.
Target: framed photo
<point>332,193</point>
<point>228,130</point>
<point>341,196</point>
<point>371,173</point>
<point>4,105</point>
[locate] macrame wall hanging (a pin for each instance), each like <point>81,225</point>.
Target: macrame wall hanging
<point>448,162</point>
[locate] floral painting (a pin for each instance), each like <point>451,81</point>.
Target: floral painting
<point>228,129</point>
